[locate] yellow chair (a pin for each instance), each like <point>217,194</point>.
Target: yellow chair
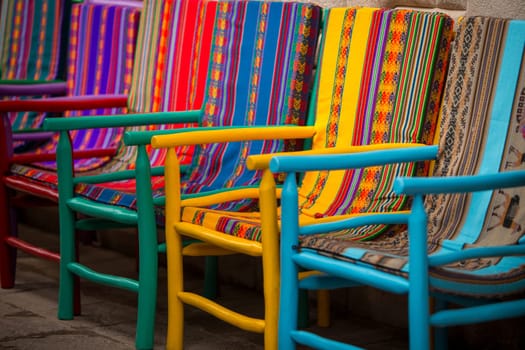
<point>380,78</point>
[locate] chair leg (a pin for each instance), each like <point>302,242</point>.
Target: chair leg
<point>323,308</point>
<point>440,334</point>
<point>147,293</point>
<point>175,334</point>
<point>288,314</point>
<point>7,253</point>
<point>210,277</point>
<point>68,255</point>
<point>303,319</point>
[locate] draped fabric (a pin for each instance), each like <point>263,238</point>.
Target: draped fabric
<point>381,80</point>
<point>101,50</point>
<point>30,47</point>
<point>156,59</point>
<point>261,71</point>
<point>481,132</point>
<point>261,77</point>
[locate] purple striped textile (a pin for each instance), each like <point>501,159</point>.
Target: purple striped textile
<point>29,50</point>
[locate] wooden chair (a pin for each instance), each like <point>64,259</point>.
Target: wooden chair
<point>380,77</point>
<point>167,71</point>
<point>464,241</point>
<point>111,48</point>
<point>260,74</point>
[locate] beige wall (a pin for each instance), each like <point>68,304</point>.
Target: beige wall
<point>497,8</point>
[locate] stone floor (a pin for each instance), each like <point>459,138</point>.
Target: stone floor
<point>28,311</point>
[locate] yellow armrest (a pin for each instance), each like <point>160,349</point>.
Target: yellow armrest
<point>232,135</point>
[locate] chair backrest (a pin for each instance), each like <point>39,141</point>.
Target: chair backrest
<point>170,67</point>
<point>261,69</point>
<point>101,52</point>
<point>483,120</point>
<point>380,81</point>
<point>30,40</point>
<point>32,47</point>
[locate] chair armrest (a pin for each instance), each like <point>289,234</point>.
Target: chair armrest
<point>458,184</point>
<point>290,164</point>
<point>262,161</point>
<point>31,88</point>
<point>112,121</point>
<point>62,104</point>
<point>234,134</point>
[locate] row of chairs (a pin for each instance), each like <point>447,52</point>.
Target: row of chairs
<point>361,125</point>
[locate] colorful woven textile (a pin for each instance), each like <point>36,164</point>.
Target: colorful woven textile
<point>101,51</point>
<point>163,24</point>
<point>172,67</point>
<point>260,75</point>
<point>30,46</point>
<point>30,41</point>
<point>480,133</point>
<point>381,79</point>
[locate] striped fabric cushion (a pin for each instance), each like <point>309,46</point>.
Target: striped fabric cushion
<point>30,47</point>
<point>481,132</point>
<point>381,79</point>
<point>274,59</point>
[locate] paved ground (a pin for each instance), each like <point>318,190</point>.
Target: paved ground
<point>28,311</point>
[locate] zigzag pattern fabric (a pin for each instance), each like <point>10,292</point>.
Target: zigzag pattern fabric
<point>381,78</point>
<point>30,46</point>
<point>262,61</point>
<point>478,135</point>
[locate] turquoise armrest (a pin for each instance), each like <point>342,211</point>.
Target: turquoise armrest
<point>352,160</point>
<point>458,184</point>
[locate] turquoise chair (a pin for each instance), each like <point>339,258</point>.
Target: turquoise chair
<point>466,225</point>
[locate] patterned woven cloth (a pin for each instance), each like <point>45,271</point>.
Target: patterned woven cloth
<point>30,47</point>
<point>120,67</point>
<point>260,75</point>
<point>101,51</point>
<point>478,135</point>
<point>381,79</point>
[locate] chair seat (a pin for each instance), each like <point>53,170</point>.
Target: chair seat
<point>487,277</point>
<point>245,225</point>
<point>120,193</point>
